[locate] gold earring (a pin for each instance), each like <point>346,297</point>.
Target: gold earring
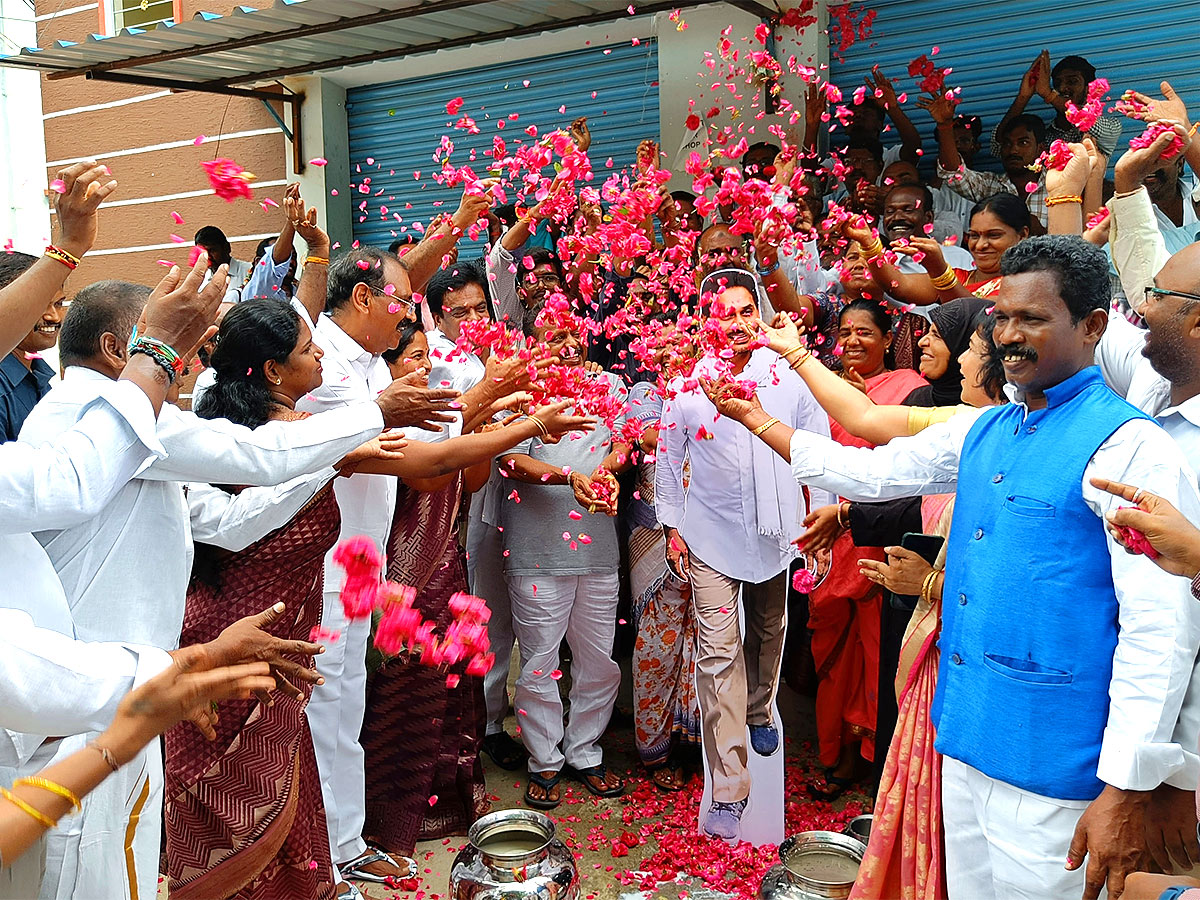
<point>278,381</point>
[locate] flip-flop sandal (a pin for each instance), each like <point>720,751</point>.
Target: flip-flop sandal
<point>355,868</point>
<point>350,893</point>
<point>839,785</point>
<point>676,778</point>
<point>547,785</point>
<point>504,751</point>
<point>597,772</point>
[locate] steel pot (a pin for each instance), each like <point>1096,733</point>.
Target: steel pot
<point>514,855</point>
<point>814,865</point>
<point>860,827</point>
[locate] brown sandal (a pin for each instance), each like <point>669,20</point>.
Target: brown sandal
<point>669,777</point>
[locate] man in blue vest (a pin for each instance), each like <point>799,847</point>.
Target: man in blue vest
<point>1064,659</point>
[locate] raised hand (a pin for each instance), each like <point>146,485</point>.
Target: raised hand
<point>581,134</point>
<point>1171,106</point>
<point>783,334</point>
<point>940,107</point>
<point>1138,162</point>
<point>85,186</point>
<point>881,85</point>
<point>389,445</point>
<point>823,529</point>
<point>180,312</point>
<point>932,258</point>
<point>1073,179</point>
<point>727,399</point>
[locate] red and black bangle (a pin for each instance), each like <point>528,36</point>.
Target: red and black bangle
<point>58,254</point>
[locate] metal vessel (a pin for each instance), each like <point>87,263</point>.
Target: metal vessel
<point>514,855</point>
<point>814,865</point>
<point>860,827</point>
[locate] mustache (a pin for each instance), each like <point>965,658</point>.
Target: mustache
<point>1020,351</point>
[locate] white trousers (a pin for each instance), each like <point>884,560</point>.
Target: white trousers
<point>335,716</point>
<point>583,609</point>
<point>1003,843</point>
<point>110,849</point>
<point>485,570</point>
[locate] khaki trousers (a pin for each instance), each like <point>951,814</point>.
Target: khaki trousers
<point>736,679</point>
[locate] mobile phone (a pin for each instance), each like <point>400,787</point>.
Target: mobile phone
<point>927,546</point>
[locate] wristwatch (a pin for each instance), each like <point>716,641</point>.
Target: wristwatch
<point>1196,586</point>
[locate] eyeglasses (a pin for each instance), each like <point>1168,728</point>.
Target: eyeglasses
<point>1151,290</point>
<point>408,305</point>
<point>461,312</point>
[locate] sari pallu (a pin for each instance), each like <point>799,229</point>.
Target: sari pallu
<point>844,617</point>
<point>905,858</point>
<point>421,737</point>
<point>244,816</point>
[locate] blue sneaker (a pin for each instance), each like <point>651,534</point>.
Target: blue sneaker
<point>724,820</point>
<point>764,739</point>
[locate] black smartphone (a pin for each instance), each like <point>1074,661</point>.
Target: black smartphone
<point>927,546</point>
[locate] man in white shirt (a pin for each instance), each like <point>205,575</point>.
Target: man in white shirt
<point>92,557</point>
<point>368,297</point>
<point>729,533</point>
<point>1028,782</point>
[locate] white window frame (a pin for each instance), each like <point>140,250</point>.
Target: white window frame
<point>108,14</point>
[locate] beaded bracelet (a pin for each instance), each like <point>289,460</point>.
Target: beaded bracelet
<point>53,787</point>
<point>58,254</point>
<point>162,354</point>
<point>40,817</point>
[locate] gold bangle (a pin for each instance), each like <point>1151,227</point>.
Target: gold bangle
<point>875,250</point>
<point>40,817</point>
<point>947,279</point>
<point>795,366</point>
<point>843,525</point>
<point>541,425</point>
<point>319,260</point>
<point>110,758</point>
<point>764,426</point>
<point>927,586</point>
<point>787,354</point>
<point>1055,201</point>
<point>53,787</point>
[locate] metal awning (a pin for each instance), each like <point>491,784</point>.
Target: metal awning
<point>225,54</point>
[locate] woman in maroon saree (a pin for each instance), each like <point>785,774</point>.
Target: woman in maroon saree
<point>244,816</point>
<point>424,726</point>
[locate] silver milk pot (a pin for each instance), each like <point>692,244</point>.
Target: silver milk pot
<point>815,865</point>
<point>513,855</point>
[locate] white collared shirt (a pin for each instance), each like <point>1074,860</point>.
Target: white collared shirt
<point>352,376</point>
<point>716,516</point>
<point>54,684</point>
<point>148,520</point>
<point>1159,622</point>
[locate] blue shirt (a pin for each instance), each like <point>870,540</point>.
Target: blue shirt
<point>20,390</point>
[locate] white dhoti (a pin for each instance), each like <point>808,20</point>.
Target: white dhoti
<point>335,717</point>
<point>109,850</point>
<point>1003,843</point>
<point>485,571</point>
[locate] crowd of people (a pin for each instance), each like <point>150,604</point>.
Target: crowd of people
<point>947,416</point>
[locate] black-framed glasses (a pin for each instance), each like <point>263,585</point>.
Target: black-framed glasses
<point>1151,290</point>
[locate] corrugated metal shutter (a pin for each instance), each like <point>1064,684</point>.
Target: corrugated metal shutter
<point>400,124</point>
<point>991,43</point>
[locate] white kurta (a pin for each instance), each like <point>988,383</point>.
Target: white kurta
<point>367,504</point>
<point>148,520</point>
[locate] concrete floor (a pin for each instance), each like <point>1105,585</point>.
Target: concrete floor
<point>665,824</point>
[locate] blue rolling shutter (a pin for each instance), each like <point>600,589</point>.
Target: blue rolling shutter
<point>400,124</point>
<point>991,43</point>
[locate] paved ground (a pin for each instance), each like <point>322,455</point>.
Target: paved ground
<point>663,825</point>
